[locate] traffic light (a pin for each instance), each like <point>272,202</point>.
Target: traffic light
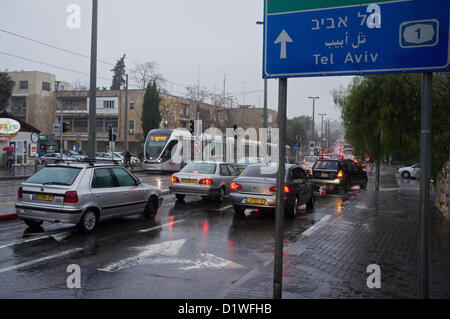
<point>110,133</point>
<point>66,127</point>
<point>192,126</point>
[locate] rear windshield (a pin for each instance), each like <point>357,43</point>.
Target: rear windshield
<point>55,176</point>
<point>327,165</point>
<point>260,171</point>
<point>199,168</point>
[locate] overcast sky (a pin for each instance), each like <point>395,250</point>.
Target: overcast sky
<point>210,38</point>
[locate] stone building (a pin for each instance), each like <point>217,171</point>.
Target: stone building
<point>33,98</point>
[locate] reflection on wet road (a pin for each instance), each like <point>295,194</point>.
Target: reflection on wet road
<point>193,249</point>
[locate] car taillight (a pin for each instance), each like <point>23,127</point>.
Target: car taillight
<point>206,181</point>
<point>20,193</point>
<point>235,186</point>
<point>340,174</point>
<point>172,164</point>
<point>174,179</point>
<point>71,197</point>
<point>273,189</point>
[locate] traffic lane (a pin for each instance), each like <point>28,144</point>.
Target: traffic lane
<point>8,195</point>
<point>213,247</point>
<point>159,180</point>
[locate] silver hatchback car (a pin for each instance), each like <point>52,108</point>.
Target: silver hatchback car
<point>83,194</point>
<point>206,179</point>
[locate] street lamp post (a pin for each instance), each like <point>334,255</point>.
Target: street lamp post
<point>313,113</point>
<point>265,92</point>
<point>321,132</point>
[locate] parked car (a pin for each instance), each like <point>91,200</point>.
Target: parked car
<point>255,188</point>
<point>134,159</point>
<point>409,171</point>
<point>52,158</point>
<point>75,154</point>
<point>338,174</point>
<point>84,194</point>
<point>243,162</point>
<point>206,179</point>
<point>105,156</point>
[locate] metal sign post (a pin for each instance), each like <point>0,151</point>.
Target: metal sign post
<point>425,168</point>
<point>93,85</point>
<point>279,212</point>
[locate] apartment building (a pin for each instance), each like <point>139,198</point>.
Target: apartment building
<point>33,98</point>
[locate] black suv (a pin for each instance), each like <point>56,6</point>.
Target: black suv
<point>338,174</point>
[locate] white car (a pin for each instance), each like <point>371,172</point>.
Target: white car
<point>134,160</point>
<point>409,171</point>
<point>308,162</point>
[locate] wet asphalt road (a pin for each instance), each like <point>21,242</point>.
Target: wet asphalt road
<point>193,249</point>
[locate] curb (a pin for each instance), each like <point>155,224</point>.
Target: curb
<point>7,216</point>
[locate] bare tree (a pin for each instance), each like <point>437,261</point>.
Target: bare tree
<point>197,94</point>
<point>79,85</point>
<point>144,73</point>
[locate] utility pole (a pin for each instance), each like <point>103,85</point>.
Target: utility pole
<point>425,168</point>
<point>279,211</point>
<point>93,85</point>
<point>313,119</point>
<point>61,132</point>
<point>321,132</point>
<point>125,124</point>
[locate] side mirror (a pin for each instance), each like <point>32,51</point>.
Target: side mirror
<point>138,182</point>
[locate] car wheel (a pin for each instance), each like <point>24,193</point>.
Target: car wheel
<point>364,184</point>
<point>33,223</point>
<point>151,208</point>
<point>221,195</point>
<point>406,175</point>
<point>180,196</point>
<point>291,208</point>
<point>311,202</point>
<point>88,222</point>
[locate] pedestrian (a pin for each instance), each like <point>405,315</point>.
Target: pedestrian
<point>127,159</point>
<point>10,159</point>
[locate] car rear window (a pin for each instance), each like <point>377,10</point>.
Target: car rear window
<point>55,176</point>
<point>327,165</point>
<point>199,168</point>
<point>260,171</point>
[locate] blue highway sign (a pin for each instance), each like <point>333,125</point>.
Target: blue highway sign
<point>321,38</point>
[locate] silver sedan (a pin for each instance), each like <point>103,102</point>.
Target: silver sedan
<point>206,179</point>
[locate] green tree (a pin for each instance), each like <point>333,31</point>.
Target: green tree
<point>119,74</point>
<point>382,117</point>
<point>151,116</point>
<point>298,126</point>
<point>6,86</point>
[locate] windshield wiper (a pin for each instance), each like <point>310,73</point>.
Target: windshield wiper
<point>56,183</point>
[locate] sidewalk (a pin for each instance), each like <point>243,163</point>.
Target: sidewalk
<point>16,172</point>
<point>330,259</point>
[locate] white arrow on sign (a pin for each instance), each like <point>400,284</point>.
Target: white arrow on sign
<point>283,38</point>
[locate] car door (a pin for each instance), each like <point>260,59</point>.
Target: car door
<point>106,192</point>
<point>308,189</point>
<point>225,176</point>
<point>298,183</point>
<point>133,193</point>
<point>355,173</point>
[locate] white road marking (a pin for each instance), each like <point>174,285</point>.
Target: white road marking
<point>165,254</point>
<point>223,208</point>
<point>211,261</point>
<point>161,226</point>
<point>314,227</point>
<point>168,248</point>
<point>57,237</point>
<point>39,260</point>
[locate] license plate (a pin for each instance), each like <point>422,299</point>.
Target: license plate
<point>43,197</point>
<point>189,180</point>
<point>256,201</point>
<point>324,175</point>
